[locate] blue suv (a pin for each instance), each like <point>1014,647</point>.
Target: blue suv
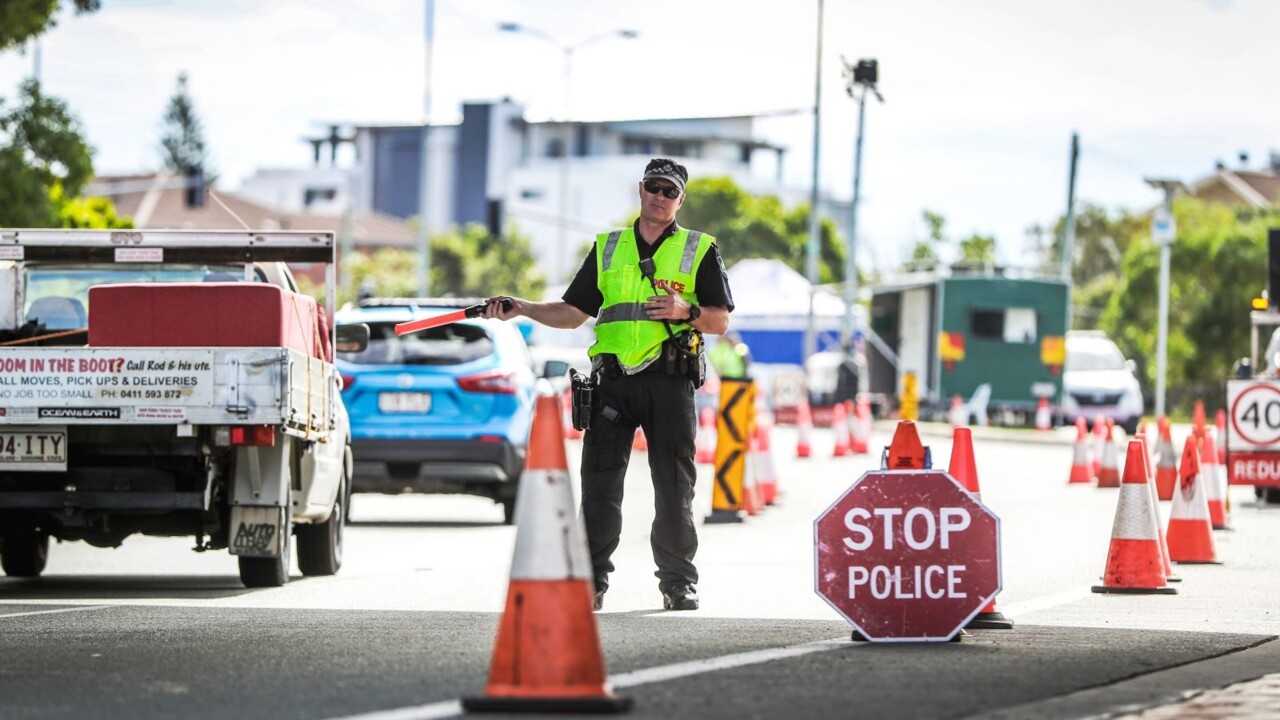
<point>442,410</point>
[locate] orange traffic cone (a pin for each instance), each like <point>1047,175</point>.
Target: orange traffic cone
<point>1109,471</point>
<point>1134,563</point>
<point>958,416</point>
<point>640,442</point>
<point>1212,482</point>
<point>705,441</point>
<point>1142,427</point>
<point>566,402</point>
<point>804,430</point>
<point>1081,464</point>
<point>768,474</point>
<point>1155,509</point>
<point>860,430</point>
<point>1099,442</point>
<point>1044,418</point>
<point>1166,462</point>
<point>905,451</point>
<point>752,495</point>
<point>1197,418</point>
<point>965,471</point>
<point>1190,535</point>
<point>1220,421</point>
<point>547,656</point>
<point>841,428</point>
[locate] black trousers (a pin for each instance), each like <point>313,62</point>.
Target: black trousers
<point>663,407</point>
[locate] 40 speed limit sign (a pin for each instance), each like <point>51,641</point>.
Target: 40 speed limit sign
<point>1253,433</point>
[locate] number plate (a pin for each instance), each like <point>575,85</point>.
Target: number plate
<point>34,448</point>
<point>404,402</point>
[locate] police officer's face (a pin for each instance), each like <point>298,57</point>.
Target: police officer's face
<point>656,207</point>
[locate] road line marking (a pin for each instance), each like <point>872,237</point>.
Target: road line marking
<point>78,608</point>
<point>1044,603</point>
<point>662,673</point>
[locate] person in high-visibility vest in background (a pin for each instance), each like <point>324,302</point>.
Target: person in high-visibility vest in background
<point>654,289</point>
<point>730,357</point>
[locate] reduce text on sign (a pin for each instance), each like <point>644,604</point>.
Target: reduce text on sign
<point>921,528</point>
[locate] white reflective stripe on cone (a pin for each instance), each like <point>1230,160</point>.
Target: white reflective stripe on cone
<point>550,539</point>
<point>1134,516</point>
<point>1192,505</point>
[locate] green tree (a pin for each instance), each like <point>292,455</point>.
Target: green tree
<point>42,152</point>
<point>978,250</point>
<point>21,20</point>
<point>91,213</point>
<point>759,226</point>
<point>182,136</point>
<point>924,254</point>
<point>1101,239</point>
<point>1217,263</point>
<point>466,262</point>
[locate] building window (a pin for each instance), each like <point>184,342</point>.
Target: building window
<point>744,153</point>
<point>637,146</point>
<point>555,148</point>
<point>311,195</point>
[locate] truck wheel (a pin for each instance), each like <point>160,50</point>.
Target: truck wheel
<point>24,554</point>
<point>256,572</point>
<point>320,545</point>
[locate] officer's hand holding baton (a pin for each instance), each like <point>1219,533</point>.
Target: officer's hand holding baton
<point>503,307</point>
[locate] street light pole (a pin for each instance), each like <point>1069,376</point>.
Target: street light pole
<point>811,257</point>
<point>567,50</point>
<point>424,245</point>
<point>865,75</point>
<point>1163,232</point>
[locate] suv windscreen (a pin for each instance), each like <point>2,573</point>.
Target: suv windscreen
<point>447,345</point>
<point>1094,357</point>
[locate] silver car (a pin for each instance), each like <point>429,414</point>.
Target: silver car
<point>1098,380</point>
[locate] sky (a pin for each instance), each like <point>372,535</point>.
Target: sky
<point>980,96</point>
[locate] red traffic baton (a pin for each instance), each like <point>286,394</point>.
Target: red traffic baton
<point>471,312</point>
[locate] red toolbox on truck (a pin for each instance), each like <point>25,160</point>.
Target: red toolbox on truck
<point>231,314</point>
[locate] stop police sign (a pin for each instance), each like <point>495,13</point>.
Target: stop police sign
<point>907,555</point>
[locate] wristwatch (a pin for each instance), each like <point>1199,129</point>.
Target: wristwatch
<point>695,312</point>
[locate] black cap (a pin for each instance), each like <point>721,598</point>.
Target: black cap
<point>667,169</point>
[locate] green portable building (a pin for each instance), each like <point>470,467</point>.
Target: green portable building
<point>957,333</point>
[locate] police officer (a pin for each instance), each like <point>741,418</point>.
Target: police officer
<point>649,320</point>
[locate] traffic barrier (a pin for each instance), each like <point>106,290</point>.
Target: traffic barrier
<point>1081,462</point>
<point>1044,417</point>
<point>965,470</point>
<point>1109,470</point>
<point>767,473</point>
<point>1099,442</point>
<point>1190,533</point>
<point>905,451</point>
<point>1134,563</point>
<point>1209,474</point>
<point>705,443</point>
<point>840,427</point>
<point>1166,462</point>
<point>1155,509</point>
<point>640,442</point>
<point>959,415</point>
<point>804,430</point>
<point>860,439</point>
<point>566,416</point>
<point>732,463</point>
<point>547,656</point>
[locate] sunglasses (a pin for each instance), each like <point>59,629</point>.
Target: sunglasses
<point>654,187</point>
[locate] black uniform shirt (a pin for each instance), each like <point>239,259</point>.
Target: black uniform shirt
<point>711,283</point>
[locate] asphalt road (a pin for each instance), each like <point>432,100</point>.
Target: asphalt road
<point>152,630</point>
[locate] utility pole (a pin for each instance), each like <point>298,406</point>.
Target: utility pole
<point>864,75</point>
<point>1069,225</point>
<point>1163,231</point>
<point>424,245</point>
<point>811,257</point>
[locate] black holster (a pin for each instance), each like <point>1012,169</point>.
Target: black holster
<point>582,394</point>
<point>683,356</point>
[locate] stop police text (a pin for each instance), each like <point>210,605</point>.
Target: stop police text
<point>921,528</point>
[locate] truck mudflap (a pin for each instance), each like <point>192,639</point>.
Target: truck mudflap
<point>258,531</point>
